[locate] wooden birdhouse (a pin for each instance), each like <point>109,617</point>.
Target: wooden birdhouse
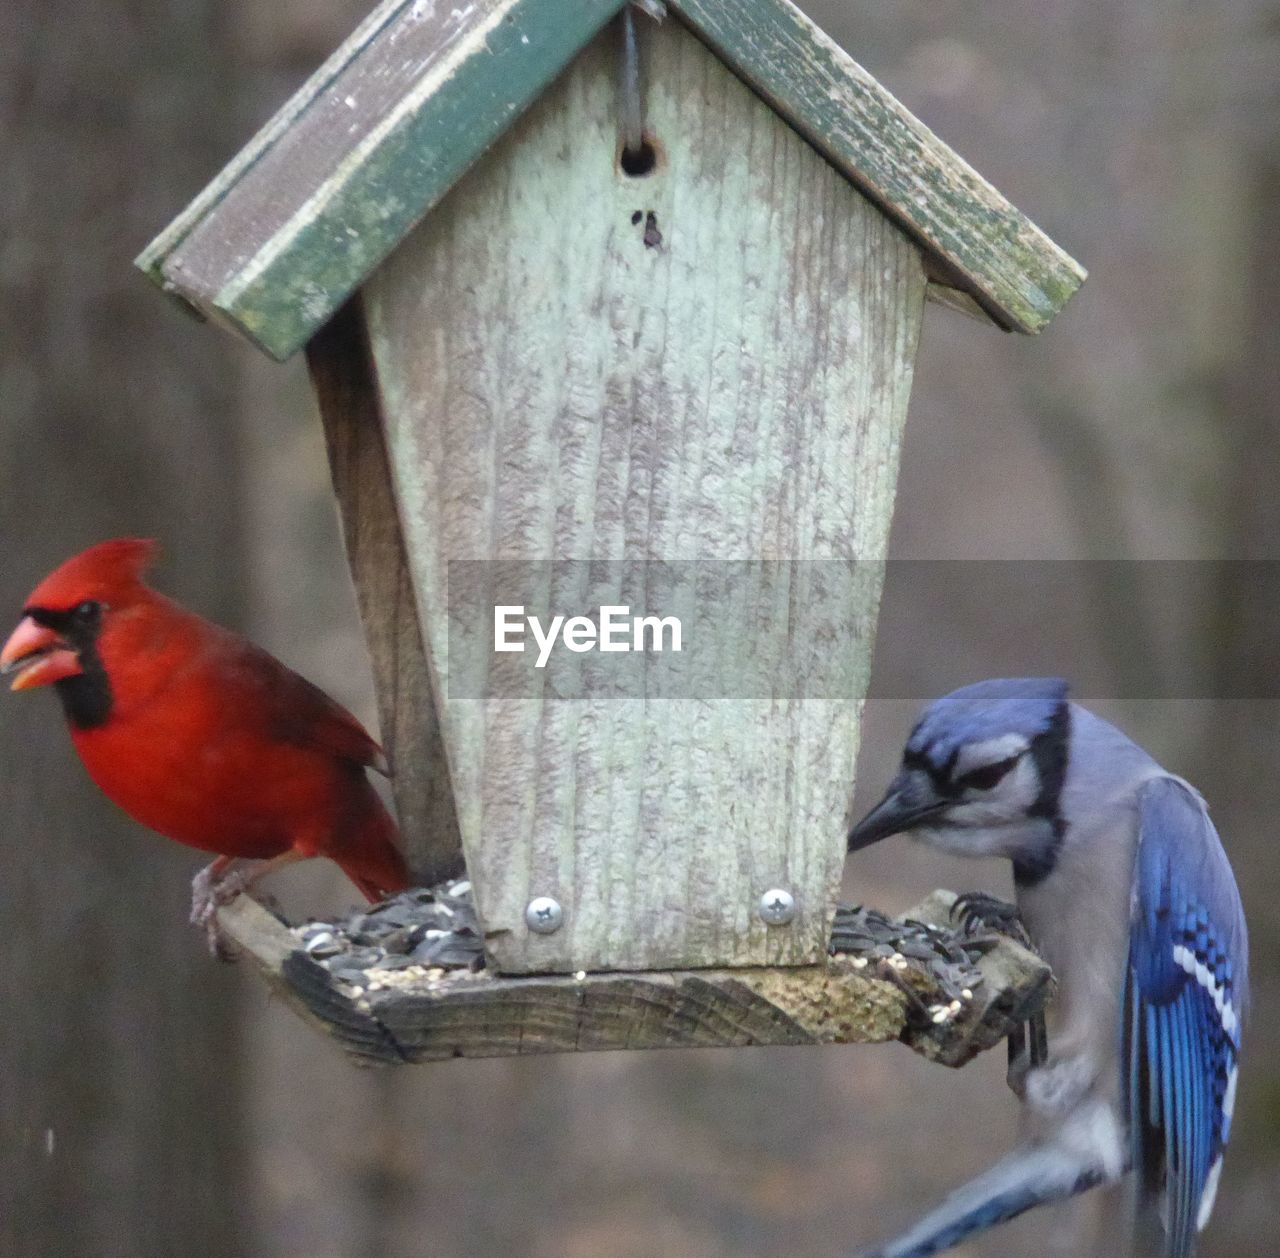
<point>598,321</point>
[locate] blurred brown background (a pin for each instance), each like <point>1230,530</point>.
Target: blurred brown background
<point>153,1103</point>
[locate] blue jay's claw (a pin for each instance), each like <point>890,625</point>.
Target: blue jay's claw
<point>1028,1050</point>
<point>1038,1034</point>
<point>976,911</point>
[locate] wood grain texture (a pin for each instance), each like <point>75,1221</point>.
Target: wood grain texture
<point>332,184</point>
<point>464,1014</point>
<point>1012,268</point>
<point>557,387</point>
<point>380,133</point>
<point>342,373</point>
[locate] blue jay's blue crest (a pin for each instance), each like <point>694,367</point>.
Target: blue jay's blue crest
<point>985,710</point>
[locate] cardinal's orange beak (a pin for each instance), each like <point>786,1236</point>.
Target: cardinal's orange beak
<point>37,655</point>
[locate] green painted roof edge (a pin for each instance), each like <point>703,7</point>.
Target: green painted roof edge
<point>1014,270</point>
<point>151,259</point>
<point>293,284</point>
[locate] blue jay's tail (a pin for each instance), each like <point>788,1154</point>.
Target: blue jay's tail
<point>1028,1177</point>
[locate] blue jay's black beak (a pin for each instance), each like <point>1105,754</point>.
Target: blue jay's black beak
<point>900,810</point>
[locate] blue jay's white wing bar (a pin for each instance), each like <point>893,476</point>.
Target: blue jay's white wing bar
<point>1185,998</point>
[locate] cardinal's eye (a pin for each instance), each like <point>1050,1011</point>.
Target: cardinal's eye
<point>988,775</point>
<point>88,611</point>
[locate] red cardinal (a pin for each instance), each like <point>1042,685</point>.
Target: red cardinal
<point>201,735</point>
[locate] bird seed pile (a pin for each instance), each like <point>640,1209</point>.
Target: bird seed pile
<point>416,935</point>
<point>945,959</point>
<point>423,933</point>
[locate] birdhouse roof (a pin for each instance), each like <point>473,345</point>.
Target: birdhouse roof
<point>378,135</point>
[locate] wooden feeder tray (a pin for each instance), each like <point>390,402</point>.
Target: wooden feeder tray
<point>860,995</point>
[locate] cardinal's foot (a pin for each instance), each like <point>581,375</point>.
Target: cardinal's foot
<point>215,885</point>
<point>219,883</point>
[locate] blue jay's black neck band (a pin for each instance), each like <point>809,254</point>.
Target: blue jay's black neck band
<point>1050,751</point>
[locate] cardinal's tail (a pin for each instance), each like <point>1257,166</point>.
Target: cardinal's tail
<point>372,860</point>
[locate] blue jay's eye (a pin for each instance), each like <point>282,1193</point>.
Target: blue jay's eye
<point>987,776</point>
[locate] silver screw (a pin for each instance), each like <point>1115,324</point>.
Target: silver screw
<point>543,915</point>
<point>777,907</point>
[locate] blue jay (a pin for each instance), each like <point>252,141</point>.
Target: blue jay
<point>1124,887</point>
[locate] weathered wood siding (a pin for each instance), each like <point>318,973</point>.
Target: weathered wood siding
<point>558,383</point>
<point>342,373</point>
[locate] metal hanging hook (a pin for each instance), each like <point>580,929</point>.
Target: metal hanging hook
<point>632,101</point>
<point>631,85</point>
<point>632,104</point>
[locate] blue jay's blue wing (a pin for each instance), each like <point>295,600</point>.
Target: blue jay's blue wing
<point>1185,995</point>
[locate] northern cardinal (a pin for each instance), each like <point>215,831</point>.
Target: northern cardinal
<point>201,735</point>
